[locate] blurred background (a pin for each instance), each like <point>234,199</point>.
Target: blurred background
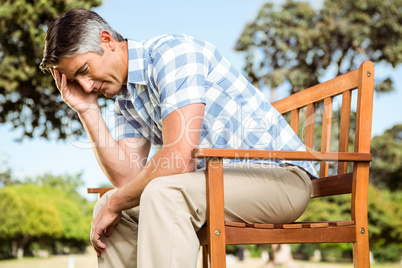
<point>282,47</point>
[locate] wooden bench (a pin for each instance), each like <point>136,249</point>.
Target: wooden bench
<point>217,233</point>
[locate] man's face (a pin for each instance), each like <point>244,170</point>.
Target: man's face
<point>94,72</point>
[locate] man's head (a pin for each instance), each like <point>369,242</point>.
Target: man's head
<point>81,46</point>
<point>75,32</point>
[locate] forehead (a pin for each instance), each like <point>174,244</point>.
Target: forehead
<point>69,65</point>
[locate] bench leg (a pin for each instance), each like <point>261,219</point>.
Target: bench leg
<point>204,256</point>
<point>361,252</point>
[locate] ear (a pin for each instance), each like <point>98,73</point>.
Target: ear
<point>107,40</point>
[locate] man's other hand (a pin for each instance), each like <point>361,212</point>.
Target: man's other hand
<point>103,223</point>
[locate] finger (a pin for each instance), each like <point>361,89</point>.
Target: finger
<point>96,242</point>
<point>63,84</point>
<point>56,76</point>
<point>98,252</point>
<point>52,72</point>
<point>98,248</point>
<point>55,73</point>
<point>63,81</point>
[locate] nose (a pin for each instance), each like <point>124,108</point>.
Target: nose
<point>86,83</point>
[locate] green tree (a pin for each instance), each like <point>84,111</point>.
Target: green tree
<point>5,173</point>
<point>47,211</point>
<point>385,223</point>
<point>67,183</point>
<point>386,167</point>
<point>76,211</point>
<point>29,99</point>
<point>26,216</point>
<point>75,220</point>
<point>296,45</point>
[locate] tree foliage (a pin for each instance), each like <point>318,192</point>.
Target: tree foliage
<point>45,210</point>
<point>296,45</point>
<point>5,173</point>
<point>386,167</point>
<point>29,99</point>
<point>385,221</point>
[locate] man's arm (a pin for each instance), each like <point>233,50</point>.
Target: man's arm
<point>120,161</point>
<point>181,133</point>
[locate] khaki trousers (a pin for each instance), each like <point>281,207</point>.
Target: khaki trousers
<point>161,232</point>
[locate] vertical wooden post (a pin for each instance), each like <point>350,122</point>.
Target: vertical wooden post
<point>205,256</point>
<point>361,250</point>
<point>326,134</point>
<point>215,213</point>
<point>309,130</point>
<point>361,170</point>
<point>294,120</point>
<point>345,129</point>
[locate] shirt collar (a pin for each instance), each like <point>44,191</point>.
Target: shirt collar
<point>124,93</point>
<point>136,63</point>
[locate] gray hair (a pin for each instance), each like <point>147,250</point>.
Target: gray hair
<point>75,32</point>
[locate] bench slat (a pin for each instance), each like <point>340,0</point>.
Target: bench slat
<point>318,93</point>
<point>294,225</point>
<point>294,120</point>
<point>309,128</point>
<point>333,185</point>
<point>326,134</point>
<point>344,129</point>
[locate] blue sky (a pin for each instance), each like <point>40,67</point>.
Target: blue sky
<point>219,22</point>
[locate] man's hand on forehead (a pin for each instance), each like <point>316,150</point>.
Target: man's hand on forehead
<point>54,71</point>
<point>57,75</point>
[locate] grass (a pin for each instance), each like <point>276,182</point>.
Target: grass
<point>89,261</point>
<point>84,261</point>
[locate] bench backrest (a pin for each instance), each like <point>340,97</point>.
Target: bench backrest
<point>346,97</point>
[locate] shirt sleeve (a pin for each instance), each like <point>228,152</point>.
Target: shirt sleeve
<point>180,73</point>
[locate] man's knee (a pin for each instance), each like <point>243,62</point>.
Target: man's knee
<point>185,190</point>
<point>154,191</point>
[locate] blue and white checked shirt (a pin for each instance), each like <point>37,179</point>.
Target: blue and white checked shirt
<point>172,71</point>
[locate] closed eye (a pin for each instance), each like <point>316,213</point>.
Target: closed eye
<point>84,71</point>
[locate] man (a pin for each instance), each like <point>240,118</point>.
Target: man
<point>178,93</point>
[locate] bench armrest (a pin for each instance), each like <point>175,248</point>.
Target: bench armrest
<point>279,155</point>
<point>100,191</point>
